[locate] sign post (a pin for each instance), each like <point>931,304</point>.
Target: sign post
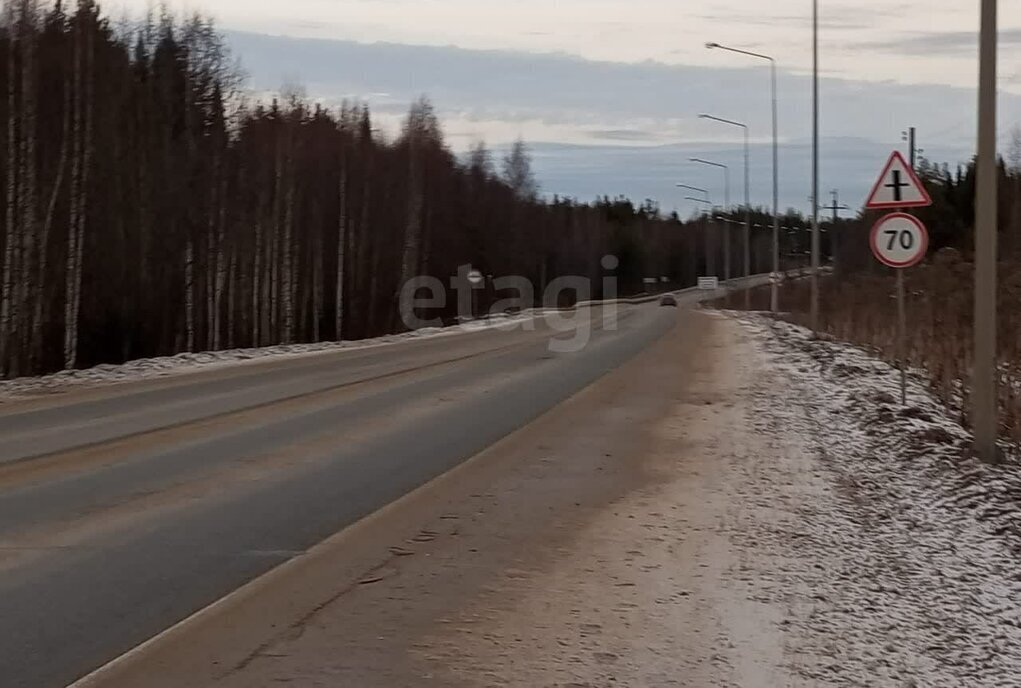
<point>899,240</point>
<point>475,279</point>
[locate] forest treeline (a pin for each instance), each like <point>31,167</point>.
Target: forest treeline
<point>148,210</point>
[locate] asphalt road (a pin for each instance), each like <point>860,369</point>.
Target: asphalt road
<point>125,509</point>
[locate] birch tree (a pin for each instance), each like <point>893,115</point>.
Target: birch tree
<point>11,233</point>
<point>342,240</point>
<point>148,211</point>
<point>83,125</point>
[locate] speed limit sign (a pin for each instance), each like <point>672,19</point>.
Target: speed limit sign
<point>899,240</point>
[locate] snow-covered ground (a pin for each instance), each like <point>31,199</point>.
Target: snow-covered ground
<point>915,574</point>
<point>801,529</point>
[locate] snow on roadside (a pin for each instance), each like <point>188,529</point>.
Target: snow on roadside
<point>163,366</point>
<point>918,580</point>
<point>149,368</point>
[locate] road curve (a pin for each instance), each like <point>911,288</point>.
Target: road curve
<point>125,509</point>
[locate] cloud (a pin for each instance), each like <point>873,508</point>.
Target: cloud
<point>832,17</point>
<point>623,135</point>
<point>602,127</point>
<point>561,89</point>
<point>939,43</point>
<point>846,23</point>
<point>849,165</point>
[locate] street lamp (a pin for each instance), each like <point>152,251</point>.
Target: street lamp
<point>726,177</point>
<point>747,201</point>
<point>776,165</point>
<point>710,265</point>
<point>693,188</point>
<point>815,165</point>
<point>726,206</point>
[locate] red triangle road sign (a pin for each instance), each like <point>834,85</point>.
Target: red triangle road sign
<point>898,187</point>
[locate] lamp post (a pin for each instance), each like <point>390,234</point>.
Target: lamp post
<point>776,165</point>
<point>747,198</point>
<point>710,266</point>
<point>726,207</point>
<point>815,165</point>
<point>726,177</point>
<point>693,188</point>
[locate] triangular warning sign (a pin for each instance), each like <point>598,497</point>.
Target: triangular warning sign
<point>898,187</point>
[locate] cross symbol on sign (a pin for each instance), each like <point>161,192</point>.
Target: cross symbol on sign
<point>897,185</point>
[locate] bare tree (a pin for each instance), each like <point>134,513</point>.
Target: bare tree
<point>147,213</point>
<point>1014,151</point>
<point>517,172</point>
<point>28,174</point>
<point>342,240</point>
<point>83,125</point>
<point>420,130</point>
<point>42,272</point>
<point>11,236</point>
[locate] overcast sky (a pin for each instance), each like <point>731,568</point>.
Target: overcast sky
<point>608,91</point>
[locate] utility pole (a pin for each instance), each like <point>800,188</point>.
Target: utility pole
<point>985,409</point>
<point>815,165</point>
<point>835,207</point>
<point>913,149</point>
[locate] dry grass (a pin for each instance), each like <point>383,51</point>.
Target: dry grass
<point>861,308</point>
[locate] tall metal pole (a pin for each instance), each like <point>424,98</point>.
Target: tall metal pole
<point>747,192</point>
<point>710,241</point>
<point>834,238</point>
<point>726,231</point>
<point>914,149</point>
<point>747,212</point>
<point>726,195</point>
<point>833,228</point>
<point>815,165</point>
<point>710,266</point>
<point>985,416</point>
<point>775,295</point>
<point>776,166</point>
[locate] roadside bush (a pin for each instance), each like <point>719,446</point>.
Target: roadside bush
<point>861,308</point>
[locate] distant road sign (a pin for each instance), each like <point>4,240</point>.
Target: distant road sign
<point>899,240</point>
<point>898,187</point>
<point>475,277</point>
<point>708,283</point>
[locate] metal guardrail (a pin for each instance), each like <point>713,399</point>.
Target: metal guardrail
<point>736,284</point>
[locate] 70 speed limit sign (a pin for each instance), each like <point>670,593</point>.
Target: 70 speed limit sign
<point>899,240</point>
